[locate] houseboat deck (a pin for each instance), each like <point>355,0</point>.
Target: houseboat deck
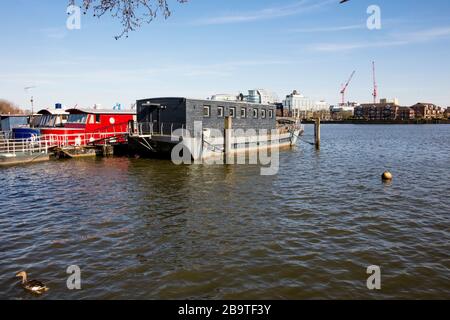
<point>19,151</point>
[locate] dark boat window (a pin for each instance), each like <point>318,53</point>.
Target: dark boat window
<point>263,113</point>
<point>36,121</point>
<point>255,113</point>
<point>77,118</point>
<point>47,121</point>
<point>206,111</point>
<point>97,118</point>
<point>243,113</point>
<point>270,114</point>
<point>233,112</point>
<point>220,112</point>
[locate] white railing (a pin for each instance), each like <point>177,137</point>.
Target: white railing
<point>45,142</point>
<point>82,139</point>
<point>25,146</point>
<point>163,128</point>
<point>5,135</point>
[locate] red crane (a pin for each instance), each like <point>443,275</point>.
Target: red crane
<point>375,86</point>
<point>344,87</point>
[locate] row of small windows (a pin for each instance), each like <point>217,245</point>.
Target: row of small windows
<point>255,113</point>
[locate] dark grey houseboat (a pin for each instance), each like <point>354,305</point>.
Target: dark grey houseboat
<point>163,123</point>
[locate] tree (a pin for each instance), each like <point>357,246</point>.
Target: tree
<point>7,107</point>
<point>131,13</point>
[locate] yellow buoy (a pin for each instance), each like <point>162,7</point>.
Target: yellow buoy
<point>387,176</point>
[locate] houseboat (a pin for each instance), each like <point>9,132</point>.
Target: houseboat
<point>45,118</point>
<point>18,148</point>
<point>162,123</point>
<point>9,122</point>
<point>89,126</point>
<point>50,118</point>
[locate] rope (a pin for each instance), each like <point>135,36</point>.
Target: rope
<point>300,138</point>
<point>214,147</point>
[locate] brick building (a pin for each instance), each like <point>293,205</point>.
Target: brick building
<point>378,111</point>
<point>393,111</point>
<point>447,113</point>
<point>406,113</point>
<point>427,111</point>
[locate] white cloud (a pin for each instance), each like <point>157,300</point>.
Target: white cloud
<point>79,73</point>
<point>403,39</point>
<point>268,13</point>
<point>329,29</point>
<point>427,35</point>
<point>54,33</point>
<point>334,47</point>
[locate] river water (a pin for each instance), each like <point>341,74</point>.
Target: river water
<point>147,229</point>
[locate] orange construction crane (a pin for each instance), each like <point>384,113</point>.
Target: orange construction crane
<point>375,86</point>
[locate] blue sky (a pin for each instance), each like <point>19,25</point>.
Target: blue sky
<point>226,46</point>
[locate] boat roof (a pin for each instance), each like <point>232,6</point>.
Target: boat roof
<point>99,111</point>
<point>3,116</point>
<point>52,111</point>
<point>286,120</point>
<point>206,101</point>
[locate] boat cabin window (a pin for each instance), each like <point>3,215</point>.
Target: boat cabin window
<point>233,112</point>
<point>220,112</point>
<point>206,111</point>
<point>60,120</point>
<point>263,113</point>
<point>271,114</point>
<point>47,121</point>
<point>255,113</point>
<point>97,118</point>
<point>36,120</point>
<point>77,118</point>
<point>243,113</point>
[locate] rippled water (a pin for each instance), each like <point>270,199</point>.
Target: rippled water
<point>148,229</point>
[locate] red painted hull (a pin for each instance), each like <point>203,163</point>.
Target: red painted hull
<point>109,127</point>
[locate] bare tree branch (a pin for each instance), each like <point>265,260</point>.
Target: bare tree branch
<point>7,107</point>
<point>131,13</point>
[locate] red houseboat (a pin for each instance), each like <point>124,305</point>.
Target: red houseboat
<point>90,126</point>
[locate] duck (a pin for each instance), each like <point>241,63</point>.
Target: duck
<point>33,286</point>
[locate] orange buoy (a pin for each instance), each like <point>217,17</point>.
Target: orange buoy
<point>386,176</point>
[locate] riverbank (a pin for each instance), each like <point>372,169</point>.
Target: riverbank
<point>410,122</point>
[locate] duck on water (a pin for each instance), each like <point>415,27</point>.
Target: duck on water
<point>33,286</point>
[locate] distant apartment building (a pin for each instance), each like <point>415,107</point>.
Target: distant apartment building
<point>427,111</point>
<point>406,113</point>
<point>447,113</point>
<point>343,111</point>
<point>385,110</point>
<point>224,97</point>
<point>261,96</point>
<point>304,107</point>
<point>282,111</point>
<point>391,110</point>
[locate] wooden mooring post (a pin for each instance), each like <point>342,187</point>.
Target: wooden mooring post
<point>228,138</point>
<point>317,133</point>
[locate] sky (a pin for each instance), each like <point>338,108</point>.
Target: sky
<point>226,46</point>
